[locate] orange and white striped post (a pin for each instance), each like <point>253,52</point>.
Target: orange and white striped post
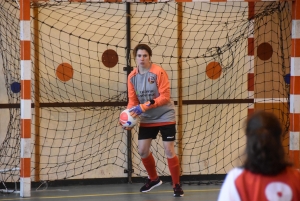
<point>25,155</point>
<point>251,57</point>
<point>295,85</point>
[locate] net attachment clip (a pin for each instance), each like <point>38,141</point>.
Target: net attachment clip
<point>128,68</point>
<point>127,171</point>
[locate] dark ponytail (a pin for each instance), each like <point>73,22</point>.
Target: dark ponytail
<point>264,150</point>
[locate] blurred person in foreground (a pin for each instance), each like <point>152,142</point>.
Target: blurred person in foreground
<point>266,175</point>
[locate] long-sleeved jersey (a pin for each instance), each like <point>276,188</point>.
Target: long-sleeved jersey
<point>152,85</point>
<point>242,185</point>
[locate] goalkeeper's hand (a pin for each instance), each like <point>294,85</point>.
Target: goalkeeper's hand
<point>125,128</point>
<point>136,110</point>
<point>139,109</point>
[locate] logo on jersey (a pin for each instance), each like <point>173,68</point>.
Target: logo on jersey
<point>151,79</point>
<point>278,191</point>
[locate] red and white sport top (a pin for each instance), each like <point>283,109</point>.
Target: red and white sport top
<point>242,185</point>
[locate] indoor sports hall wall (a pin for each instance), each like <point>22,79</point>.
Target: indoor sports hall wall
<point>273,96</point>
<point>79,85</point>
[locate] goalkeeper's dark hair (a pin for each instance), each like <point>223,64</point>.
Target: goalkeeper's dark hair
<point>264,151</point>
<point>142,47</point>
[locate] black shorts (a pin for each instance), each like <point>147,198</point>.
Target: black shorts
<point>168,132</point>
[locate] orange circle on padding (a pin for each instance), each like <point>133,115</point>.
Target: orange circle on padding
<point>213,70</point>
<point>64,72</point>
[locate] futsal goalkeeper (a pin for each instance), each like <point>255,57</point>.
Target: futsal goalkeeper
<point>149,98</point>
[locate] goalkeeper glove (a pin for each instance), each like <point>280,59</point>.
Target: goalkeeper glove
<point>139,109</point>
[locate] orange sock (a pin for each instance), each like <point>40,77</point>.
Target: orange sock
<point>149,164</point>
<point>174,169</point>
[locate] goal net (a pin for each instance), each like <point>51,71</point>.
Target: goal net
<point>78,55</point>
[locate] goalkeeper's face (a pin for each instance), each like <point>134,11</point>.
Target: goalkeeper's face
<point>143,59</point>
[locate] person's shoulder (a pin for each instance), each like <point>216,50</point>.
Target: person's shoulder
<point>235,172</point>
<point>157,69</point>
<point>293,171</point>
<point>133,73</point>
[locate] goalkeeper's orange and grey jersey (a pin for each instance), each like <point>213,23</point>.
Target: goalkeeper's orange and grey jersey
<point>153,85</point>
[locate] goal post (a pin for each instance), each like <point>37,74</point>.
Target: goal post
<point>294,86</point>
<point>25,107</point>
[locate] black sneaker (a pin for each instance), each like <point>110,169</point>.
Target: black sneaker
<point>178,192</point>
<point>149,185</point>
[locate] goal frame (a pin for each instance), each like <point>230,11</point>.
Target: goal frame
<point>25,106</point>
